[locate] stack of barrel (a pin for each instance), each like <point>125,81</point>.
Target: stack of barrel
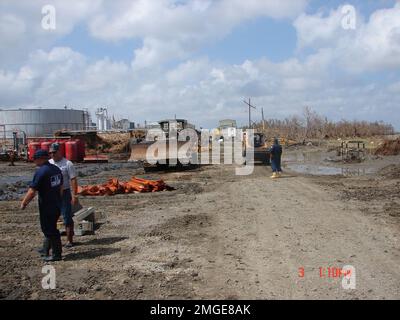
<point>73,149</point>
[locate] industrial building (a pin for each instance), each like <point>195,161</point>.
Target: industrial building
<point>227,123</point>
<point>103,121</point>
<point>107,123</point>
<point>124,124</point>
<point>41,122</point>
<point>227,128</point>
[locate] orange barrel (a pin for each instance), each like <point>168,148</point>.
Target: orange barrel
<point>81,149</point>
<point>46,145</point>
<point>32,148</point>
<point>71,150</point>
<point>62,147</point>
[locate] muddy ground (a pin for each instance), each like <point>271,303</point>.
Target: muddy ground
<point>219,236</point>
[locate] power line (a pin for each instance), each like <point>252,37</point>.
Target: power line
<point>250,106</point>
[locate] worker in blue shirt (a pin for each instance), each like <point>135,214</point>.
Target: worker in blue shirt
<point>48,182</point>
<point>276,155</point>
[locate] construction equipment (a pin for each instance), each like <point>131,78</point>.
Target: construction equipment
<point>259,148</point>
<point>352,151</point>
<point>13,149</point>
<point>162,146</point>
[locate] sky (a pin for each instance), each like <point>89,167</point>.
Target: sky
<point>199,59</point>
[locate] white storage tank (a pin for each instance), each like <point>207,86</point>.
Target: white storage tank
<point>41,122</point>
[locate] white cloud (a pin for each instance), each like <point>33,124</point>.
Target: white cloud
<point>11,28</point>
<point>21,29</point>
<point>197,88</point>
<point>169,29</point>
<point>155,52</point>
<point>394,87</point>
<point>68,14</point>
<point>319,29</point>
<point>188,72</point>
<point>165,19</point>
<point>174,31</point>
<point>374,45</point>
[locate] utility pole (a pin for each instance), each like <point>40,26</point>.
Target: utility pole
<point>250,106</point>
<point>263,120</point>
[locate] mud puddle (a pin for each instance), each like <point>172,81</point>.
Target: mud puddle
<point>315,169</point>
<point>14,181</point>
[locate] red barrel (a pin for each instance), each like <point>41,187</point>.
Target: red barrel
<point>32,148</point>
<point>62,147</point>
<point>46,145</point>
<point>71,150</point>
<point>81,149</point>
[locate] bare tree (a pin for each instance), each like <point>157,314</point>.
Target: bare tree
<point>311,125</point>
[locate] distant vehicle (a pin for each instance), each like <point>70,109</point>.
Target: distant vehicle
<point>227,123</point>
<point>226,128</point>
<point>168,130</point>
<point>352,151</point>
<point>260,149</point>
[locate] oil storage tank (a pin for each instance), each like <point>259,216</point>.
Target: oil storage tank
<point>41,122</point>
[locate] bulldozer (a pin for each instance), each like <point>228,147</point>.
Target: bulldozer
<point>165,147</point>
<point>260,149</point>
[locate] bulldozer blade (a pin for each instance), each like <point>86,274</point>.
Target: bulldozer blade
<point>162,155</point>
<point>138,152</point>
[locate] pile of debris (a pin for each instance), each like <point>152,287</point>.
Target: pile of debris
<point>113,142</point>
<point>106,142</point>
<point>114,186</point>
<point>389,148</point>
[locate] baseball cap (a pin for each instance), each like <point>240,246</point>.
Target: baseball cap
<point>54,147</point>
<point>40,154</point>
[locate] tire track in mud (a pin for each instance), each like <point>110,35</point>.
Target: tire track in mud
<point>272,228</point>
<point>347,236</point>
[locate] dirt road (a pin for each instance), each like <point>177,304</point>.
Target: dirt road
<point>217,236</point>
<point>293,223</point>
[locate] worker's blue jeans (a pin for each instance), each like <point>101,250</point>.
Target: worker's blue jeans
<point>276,164</point>
<point>66,208</point>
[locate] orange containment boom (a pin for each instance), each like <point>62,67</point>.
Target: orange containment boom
<point>114,186</point>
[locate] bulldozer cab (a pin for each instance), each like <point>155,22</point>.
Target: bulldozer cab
<point>259,140</point>
<point>175,124</point>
